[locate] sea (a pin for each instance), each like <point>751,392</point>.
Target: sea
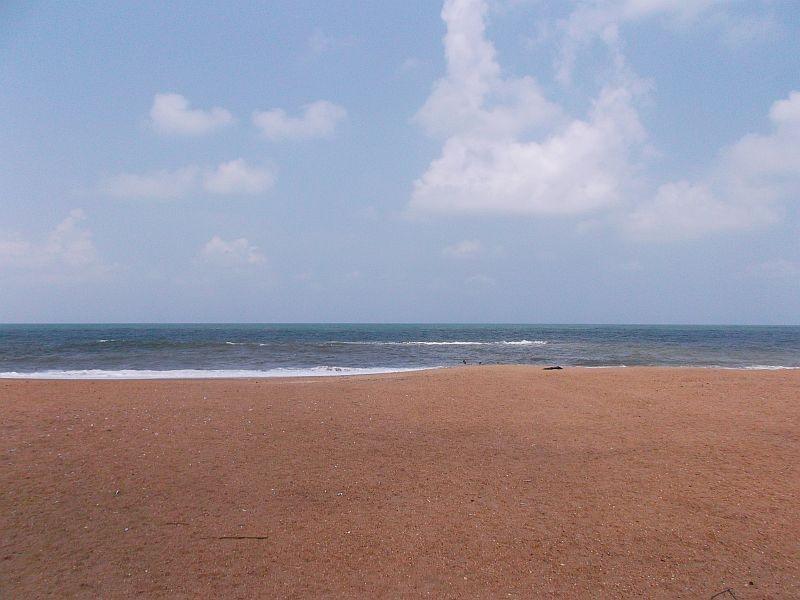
<point>138,351</point>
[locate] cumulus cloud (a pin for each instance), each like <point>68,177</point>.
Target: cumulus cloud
<point>743,190</point>
<point>770,162</point>
<point>318,120</point>
<point>474,97</point>
<point>684,210</point>
<point>231,253</point>
<point>235,177</point>
<point>171,114</point>
<point>507,149</point>
<point>68,249</point>
<point>464,249</point>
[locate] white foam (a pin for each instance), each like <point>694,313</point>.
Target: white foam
<point>765,368</point>
<point>449,343</point>
<point>690,366</point>
<point>205,373</point>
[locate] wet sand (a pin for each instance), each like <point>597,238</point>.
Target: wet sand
<point>472,482</point>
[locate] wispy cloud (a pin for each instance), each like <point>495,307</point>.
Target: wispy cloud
<point>480,281</point>
<point>320,43</point>
<point>235,177</point>
<point>163,184</point>
<point>778,268</point>
<point>602,20</point>
<point>68,250</point>
<point>464,249</point>
<point>231,253</point>
<point>411,64</point>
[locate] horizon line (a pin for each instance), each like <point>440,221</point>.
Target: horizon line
<point>429,323</point>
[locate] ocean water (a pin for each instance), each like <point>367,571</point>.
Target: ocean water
<point>269,350</point>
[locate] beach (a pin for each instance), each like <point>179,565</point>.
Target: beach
<point>475,482</point>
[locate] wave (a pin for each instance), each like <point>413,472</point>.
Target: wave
<point>322,371</point>
<point>764,368</point>
<point>446,343</point>
<point>187,344</point>
<point>696,366</point>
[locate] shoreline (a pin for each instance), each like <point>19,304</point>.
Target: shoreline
<point>469,481</point>
<point>335,374</point>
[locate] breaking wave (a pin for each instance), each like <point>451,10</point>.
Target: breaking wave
<point>322,371</point>
<point>446,343</point>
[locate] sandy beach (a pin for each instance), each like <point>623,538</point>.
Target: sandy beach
<point>472,482</point>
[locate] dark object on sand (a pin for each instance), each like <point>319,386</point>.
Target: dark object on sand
<point>725,594</point>
<point>556,368</point>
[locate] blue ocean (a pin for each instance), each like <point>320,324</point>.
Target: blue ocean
<point>270,350</point>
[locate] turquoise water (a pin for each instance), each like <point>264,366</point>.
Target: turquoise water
<point>320,349</point>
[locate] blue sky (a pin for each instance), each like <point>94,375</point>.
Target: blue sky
<point>609,161</point>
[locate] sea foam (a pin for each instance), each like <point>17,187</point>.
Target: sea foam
<point>322,371</point>
<point>445,343</point>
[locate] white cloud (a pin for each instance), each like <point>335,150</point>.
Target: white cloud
<point>683,210</point>
<point>770,161</point>
<point>490,163</point>
<point>67,250</point>
<point>507,150</point>
<point>233,253</point>
<point>171,114</point>
<point>318,120</point>
<point>464,249</point>
<point>235,177</point>
<point>744,190</point>
<point>473,97</point>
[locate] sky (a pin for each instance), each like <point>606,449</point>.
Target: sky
<point>526,161</point>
